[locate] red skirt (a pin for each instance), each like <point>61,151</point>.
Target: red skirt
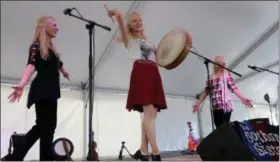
<point>145,87</point>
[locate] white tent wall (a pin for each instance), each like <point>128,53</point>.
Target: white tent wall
<point>171,125</point>
<point>16,117</point>
<point>114,124</point>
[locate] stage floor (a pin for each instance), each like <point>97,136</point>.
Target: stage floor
<point>182,158</point>
<point>164,158</point>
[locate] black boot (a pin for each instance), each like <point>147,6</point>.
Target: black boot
<point>138,155</point>
<point>156,157</point>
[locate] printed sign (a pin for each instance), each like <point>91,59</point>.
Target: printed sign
<point>261,138</point>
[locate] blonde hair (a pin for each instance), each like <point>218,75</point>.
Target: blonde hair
<point>129,30</point>
<point>215,60</point>
<point>40,35</point>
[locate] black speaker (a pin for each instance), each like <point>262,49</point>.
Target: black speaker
<point>224,144</point>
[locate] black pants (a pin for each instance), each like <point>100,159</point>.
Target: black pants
<point>221,117</point>
<point>46,120</point>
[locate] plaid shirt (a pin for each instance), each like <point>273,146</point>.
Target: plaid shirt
<point>220,95</point>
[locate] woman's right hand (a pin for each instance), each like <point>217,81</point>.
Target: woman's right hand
<point>16,94</point>
<point>113,12</point>
<point>196,107</point>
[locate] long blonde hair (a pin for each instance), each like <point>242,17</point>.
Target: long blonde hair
<point>40,35</point>
<point>129,30</point>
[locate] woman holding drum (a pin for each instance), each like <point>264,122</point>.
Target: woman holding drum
<point>146,94</point>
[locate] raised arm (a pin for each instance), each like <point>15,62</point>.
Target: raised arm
<point>123,29</point>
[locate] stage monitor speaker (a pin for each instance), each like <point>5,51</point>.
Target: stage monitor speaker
<point>224,144</point>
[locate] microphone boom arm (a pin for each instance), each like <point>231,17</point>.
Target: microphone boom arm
<point>208,60</point>
<point>91,23</point>
<point>262,69</point>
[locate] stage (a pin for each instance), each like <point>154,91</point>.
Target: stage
<point>166,156</point>
<point>172,158</point>
<point>183,158</point>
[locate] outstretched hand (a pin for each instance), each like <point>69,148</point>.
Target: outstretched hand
<point>109,13</point>
<point>247,102</point>
<point>66,75</point>
<point>195,108</point>
<point>16,94</point>
<point>112,12</point>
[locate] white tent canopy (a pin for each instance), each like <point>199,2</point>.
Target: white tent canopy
<point>245,33</point>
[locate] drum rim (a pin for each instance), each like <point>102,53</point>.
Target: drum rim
<point>67,141</point>
<point>182,55</point>
<point>162,62</point>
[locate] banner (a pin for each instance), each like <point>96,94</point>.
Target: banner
<point>261,138</point>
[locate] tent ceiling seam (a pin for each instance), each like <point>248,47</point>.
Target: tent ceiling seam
<point>257,43</point>
<point>263,37</point>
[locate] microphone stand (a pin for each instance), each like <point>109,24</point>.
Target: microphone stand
<point>271,114</point>
<point>90,26</point>
<point>258,69</point>
<point>206,62</point>
<point>266,98</point>
<point>262,69</point>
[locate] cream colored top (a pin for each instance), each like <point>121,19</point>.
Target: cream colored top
<point>141,49</point>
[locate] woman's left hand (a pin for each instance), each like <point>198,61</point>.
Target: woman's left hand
<point>66,75</point>
<point>247,102</point>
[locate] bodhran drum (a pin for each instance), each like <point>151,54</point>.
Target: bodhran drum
<point>173,48</point>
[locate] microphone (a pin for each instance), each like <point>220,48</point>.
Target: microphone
<point>197,96</point>
<point>253,68</point>
<point>266,98</point>
<point>67,11</point>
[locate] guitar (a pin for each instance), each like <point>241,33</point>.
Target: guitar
<point>192,142</point>
<point>92,156</point>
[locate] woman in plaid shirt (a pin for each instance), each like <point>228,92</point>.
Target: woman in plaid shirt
<point>221,85</point>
